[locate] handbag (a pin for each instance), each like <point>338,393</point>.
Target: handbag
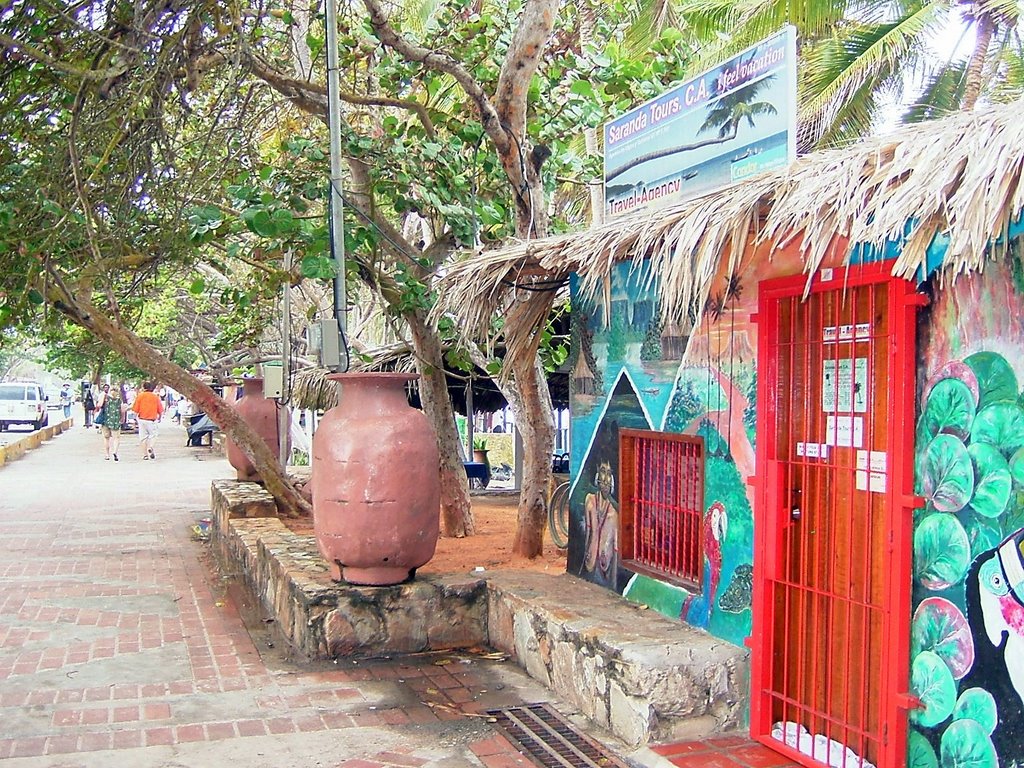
<point>101,418</point>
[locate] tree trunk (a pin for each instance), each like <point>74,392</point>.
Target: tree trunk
<point>142,355</point>
<point>533,414</point>
<point>976,66</point>
<point>456,510</point>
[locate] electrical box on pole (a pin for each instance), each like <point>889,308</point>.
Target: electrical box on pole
<point>324,340</point>
<point>273,380</point>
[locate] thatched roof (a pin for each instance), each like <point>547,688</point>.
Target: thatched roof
<point>960,176</point>
<point>313,390</point>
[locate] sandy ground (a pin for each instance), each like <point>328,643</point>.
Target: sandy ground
<point>490,548</point>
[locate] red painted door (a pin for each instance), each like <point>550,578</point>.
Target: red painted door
<point>833,526</point>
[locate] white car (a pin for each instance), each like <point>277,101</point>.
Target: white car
<point>22,402</point>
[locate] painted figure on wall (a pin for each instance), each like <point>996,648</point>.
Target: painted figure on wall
<point>602,523</point>
<point>593,503</point>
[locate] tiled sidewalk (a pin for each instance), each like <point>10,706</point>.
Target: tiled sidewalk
<point>120,646</point>
<point>730,752</point>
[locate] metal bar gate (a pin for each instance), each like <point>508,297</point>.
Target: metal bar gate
<point>832,559</point>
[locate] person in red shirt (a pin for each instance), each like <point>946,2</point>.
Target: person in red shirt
<point>149,408</point>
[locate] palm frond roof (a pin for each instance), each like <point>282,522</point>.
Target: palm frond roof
<point>959,178</point>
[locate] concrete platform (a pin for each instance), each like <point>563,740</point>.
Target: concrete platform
<point>630,670</point>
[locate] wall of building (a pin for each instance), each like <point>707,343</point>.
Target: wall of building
<point>968,552</point>
<point>968,621</point>
<point>629,372</point>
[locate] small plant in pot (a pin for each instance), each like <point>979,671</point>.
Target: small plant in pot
<point>480,450</point>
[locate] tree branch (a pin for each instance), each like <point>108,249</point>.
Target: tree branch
<point>19,48</point>
<point>441,62</point>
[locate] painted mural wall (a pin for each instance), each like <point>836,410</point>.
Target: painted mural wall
<point>628,373</point>
<point>967,665</point>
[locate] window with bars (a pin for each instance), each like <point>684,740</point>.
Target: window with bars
<point>662,500</point>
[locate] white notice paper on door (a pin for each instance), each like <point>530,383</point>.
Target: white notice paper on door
<point>844,431</point>
<point>844,385</point>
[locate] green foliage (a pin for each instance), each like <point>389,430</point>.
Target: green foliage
<point>932,683</point>
<point>978,705</point>
<point>940,627</point>
<point>920,753</point>
<point>650,349</point>
<point>992,481</point>
<point>950,408</point>
<point>942,551</point>
<point>965,744</point>
<point>946,474</point>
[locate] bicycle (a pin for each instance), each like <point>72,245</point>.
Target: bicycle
<point>558,515</point>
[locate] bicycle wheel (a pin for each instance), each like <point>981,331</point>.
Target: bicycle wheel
<point>558,516</point>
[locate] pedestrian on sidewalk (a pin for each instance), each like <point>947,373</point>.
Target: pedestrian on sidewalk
<point>65,400</point>
<point>148,407</point>
<point>109,417</point>
<point>89,405</point>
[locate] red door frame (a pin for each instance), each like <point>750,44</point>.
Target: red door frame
<point>900,501</point>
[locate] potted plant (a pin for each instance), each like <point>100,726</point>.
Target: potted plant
<point>480,450</point>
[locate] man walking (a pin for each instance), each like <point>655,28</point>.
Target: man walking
<point>148,407</point>
<point>65,400</point>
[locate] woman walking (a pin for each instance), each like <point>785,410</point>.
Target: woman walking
<point>110,415</point>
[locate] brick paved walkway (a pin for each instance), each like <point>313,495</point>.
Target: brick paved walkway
<point>120,647</point>
<point>727,752</point>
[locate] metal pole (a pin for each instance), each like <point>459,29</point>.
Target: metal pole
<point>283,422</point>
<point>337,203</point>
<point>469,419</point>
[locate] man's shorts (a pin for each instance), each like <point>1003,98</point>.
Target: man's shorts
<point>147,430</point>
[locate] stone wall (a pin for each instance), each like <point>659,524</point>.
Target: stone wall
<point>630,670</point>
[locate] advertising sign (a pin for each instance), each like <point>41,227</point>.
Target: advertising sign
<point>732,122</point>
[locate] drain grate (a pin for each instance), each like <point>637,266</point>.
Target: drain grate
<point>550,740</point>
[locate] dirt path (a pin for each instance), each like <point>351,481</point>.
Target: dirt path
<point>490,548</point>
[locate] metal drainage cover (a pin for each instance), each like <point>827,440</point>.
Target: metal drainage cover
<point>550,740</point>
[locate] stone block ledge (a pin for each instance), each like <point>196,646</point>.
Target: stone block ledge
<point>630,670</point>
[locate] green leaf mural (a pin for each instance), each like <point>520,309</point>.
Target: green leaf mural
<point>932,683</point>
<point>942,551</point>
<point>950,409</point>
<point>1016,464</point>
<point>992,481</point>
<point>946,474</point>
<point>984,533</point>
<point>919,752</point>
<point>966,745</point>
<point>996,380</point>
<point>1000,425</point>
<point>978,705</point>
<point>940,626</point>
<point>1013,520</point>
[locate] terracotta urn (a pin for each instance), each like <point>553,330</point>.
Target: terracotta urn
<point>260,413</point>
<point>376,488</point>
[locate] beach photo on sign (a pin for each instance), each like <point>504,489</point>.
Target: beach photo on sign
<point>732,122</point>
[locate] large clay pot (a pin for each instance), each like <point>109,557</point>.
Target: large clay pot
<point>260,413</point>
<point>376,488</point>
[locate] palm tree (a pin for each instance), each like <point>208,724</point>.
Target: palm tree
<point>856,55</point>
<point>737,106</point>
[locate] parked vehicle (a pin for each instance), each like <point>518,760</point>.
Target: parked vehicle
<point>22,402</point>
